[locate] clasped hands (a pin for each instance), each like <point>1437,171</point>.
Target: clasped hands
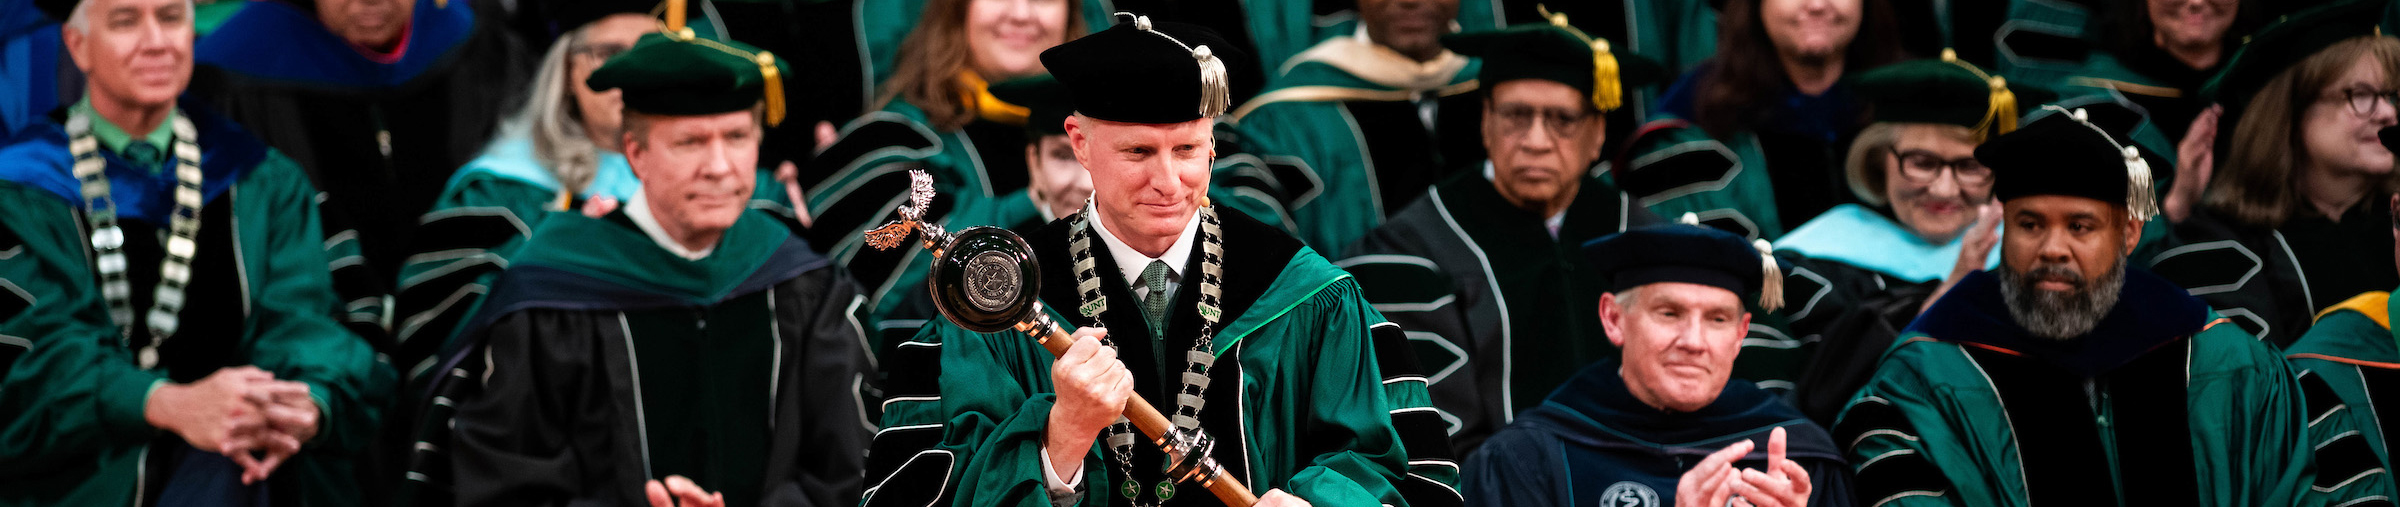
<point>242,412</point>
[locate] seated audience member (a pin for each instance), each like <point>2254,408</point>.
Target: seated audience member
<point>1666,424</point>
<point>2347,356</point>
<point>2159,53</point>
<point>1055,179</point>
<point>1926,219</point>
<point>683,321</point>
<point>2067,376</point>
<point>1751,140</point>
<point>2289,222</point>
<point>561,148</point>
<point>380,100</point>
<point>167,326</point>
<point>1483,270</point>
<point>1376,116</point>
<point>936,113</point>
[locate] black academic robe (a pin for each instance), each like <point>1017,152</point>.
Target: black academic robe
<point>1593,443</point>
<point>1499,311</point>
<point>600,361</point>
<point>2272,282</point>
<point>381,138</point>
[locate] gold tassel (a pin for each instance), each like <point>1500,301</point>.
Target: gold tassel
<point>1216,95</point>
<point>675,17</point>
<point>2003,115</point>
<point>1770,288</point>
<point>766,69</point>
<point>2000,117</point>
<point>1607,90</point>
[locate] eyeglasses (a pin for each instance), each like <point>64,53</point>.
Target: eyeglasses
<point>2363,100</point>
<point>1919,166</point>
<point>601,52</point>
<point>1563,123</point>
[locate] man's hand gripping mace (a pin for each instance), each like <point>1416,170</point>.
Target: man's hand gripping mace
<point>985,279</point>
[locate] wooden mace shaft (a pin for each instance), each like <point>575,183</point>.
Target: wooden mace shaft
<point>1145,417</point>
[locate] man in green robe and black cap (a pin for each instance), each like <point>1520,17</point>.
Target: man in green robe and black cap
<point>167,322</point>
<point>1483,270</point>
<point>1235,329</point>
<point>684,349</point>
<point>2066,376</point>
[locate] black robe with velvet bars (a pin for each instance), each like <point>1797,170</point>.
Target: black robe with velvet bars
<point>601,362</point>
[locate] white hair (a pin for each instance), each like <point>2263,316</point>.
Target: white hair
<point>553,121</point>
<point>81,21</point>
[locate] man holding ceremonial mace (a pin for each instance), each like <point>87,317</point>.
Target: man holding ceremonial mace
<point>1315,400</point>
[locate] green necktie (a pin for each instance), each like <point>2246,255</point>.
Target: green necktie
<point>142,156</point>
<point>1154,305</point>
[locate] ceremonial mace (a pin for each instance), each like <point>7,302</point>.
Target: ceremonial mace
<point>985,279</point>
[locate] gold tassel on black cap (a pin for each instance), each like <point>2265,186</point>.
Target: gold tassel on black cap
<point>1608,89</point>
<point>2000,115</point>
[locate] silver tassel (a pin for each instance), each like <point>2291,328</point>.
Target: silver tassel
<point>1216,94</point>
<point>2140,199</point>
<point>1770,291</point>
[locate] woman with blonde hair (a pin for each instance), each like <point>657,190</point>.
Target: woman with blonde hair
<point>2293,221</point>
<point>936,113</point>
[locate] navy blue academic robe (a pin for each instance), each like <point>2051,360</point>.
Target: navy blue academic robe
<point>1593,443</point>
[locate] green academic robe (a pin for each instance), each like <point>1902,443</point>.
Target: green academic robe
<point>2343,360</point>
<point>2161,404</point>
<point>602,361</point>
<point>260,295</point>
<point>1350,114</point>
<point>1674,167</point>
<point>1293,402</point>
<point>1853,278</point>
<point>1501,311</point>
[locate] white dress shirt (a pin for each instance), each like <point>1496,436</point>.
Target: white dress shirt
<point>638,209</point>
<point>1130,264</point>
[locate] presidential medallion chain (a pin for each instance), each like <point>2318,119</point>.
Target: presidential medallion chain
<point>108,239</point>
<point>1198,361</point>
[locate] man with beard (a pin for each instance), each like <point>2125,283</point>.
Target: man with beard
<point>2068,378</point>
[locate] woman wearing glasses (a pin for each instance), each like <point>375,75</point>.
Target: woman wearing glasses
<point>2293,220</point>
<point>1862,271</point>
